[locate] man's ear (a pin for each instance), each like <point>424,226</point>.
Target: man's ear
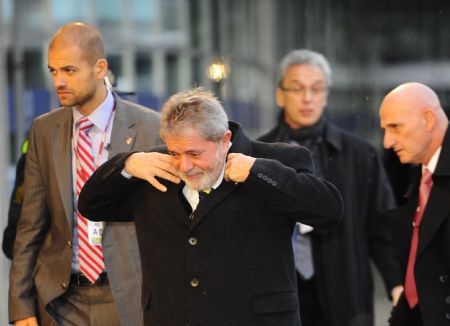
<point>227,136</point>
<point>101,67</point>
<point>430,119</point>
<point>279,97</point>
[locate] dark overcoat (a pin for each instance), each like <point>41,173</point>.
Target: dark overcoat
<point>233,264</point>
<point>432,267</point>
<point>342,254</point>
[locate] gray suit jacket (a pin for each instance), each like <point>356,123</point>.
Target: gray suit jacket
<point>41,268</point>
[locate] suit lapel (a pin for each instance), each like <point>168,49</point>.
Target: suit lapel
<point>123,134</point>
<point>436,211</point>
<point>240,144</point>
<point>438,206</point>
<point>212,200</point>
<point>62,158</point>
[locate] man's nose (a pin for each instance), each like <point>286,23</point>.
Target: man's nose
<point>185,164</point>
<point>59,80</point>
<point>307,94</point>
<point>388,141</point>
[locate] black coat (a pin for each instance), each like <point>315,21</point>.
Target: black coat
<point>341,254</point>
<point>15,205</point>
<point>233,264</point>
<point>432,267</point>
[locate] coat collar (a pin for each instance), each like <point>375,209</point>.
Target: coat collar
<point>438,207</point>
<point>241,144</point>
<point>332,133</point>
<point>123,134</point>
<point>122,139</point>
<point>62,154</point>
<point>443,166</point>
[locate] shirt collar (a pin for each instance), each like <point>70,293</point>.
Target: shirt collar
<point>220,178</point>
<point>431,166</point>
<point>101,115</point>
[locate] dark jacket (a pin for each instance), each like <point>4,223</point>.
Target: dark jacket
<point>15,205</point>
<point>233,264</point>
<point>432,267</point>
<point>341,254</point>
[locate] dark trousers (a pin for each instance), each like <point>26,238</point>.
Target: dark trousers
<point>403,315</point>
<point>311,313</point>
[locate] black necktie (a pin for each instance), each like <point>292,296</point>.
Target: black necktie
<point>203,193</point>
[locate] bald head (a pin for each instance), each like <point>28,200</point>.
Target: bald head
<point>414,122</point>
<point>413,96</point>
<point>85,37</point>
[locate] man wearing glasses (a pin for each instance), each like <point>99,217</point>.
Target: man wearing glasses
<point>333,267</point>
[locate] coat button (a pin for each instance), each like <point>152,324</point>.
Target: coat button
<point>192,241</point>
<point>447,300</point>
<point>69,244</point>
<point>195,282</point>
<point>443,278</point>
<point>64,285</point>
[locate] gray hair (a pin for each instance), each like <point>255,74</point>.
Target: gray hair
<point>306,57</point>
<point>197,109</point>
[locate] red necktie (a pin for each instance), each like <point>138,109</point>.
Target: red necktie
<point>91,256</point>
<point>410,283</point>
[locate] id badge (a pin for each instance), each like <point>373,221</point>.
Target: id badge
<point>95,232</point>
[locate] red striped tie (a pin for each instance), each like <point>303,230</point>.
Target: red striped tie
<point>410,283</point>
<point>91,256</point>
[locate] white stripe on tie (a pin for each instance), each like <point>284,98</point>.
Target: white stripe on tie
<point>91,256</point>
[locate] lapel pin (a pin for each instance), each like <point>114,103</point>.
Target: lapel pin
<point>128,140</point>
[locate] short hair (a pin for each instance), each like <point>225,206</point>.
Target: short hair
<point>86,37</point>
<point>305,57</point>
<point>196,109</point>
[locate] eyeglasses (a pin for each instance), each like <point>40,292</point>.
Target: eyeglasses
<point>300,90</point>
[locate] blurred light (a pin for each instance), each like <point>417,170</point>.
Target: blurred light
<point>218,70</point>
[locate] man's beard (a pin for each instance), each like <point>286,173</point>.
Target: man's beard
<point>208,177</point>
<point>76,101</point>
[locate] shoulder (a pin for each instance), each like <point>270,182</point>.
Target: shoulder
<point>138,110</point>
<point>270,136</point>
<point>283,152</point>
<point>51,118</point>
<point>348,142</point>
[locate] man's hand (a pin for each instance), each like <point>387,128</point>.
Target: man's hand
<point>30,321</point>
<point>238,167</point>
<point>147,166</point>
<point>396,293</point>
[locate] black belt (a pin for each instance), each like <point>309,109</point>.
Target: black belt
<point>81,280</point>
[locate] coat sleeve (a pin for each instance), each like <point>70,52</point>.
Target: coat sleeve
<point>286,181</point>
<point>32,227</point>
<point>107,193</point>
<point>380,239</point>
